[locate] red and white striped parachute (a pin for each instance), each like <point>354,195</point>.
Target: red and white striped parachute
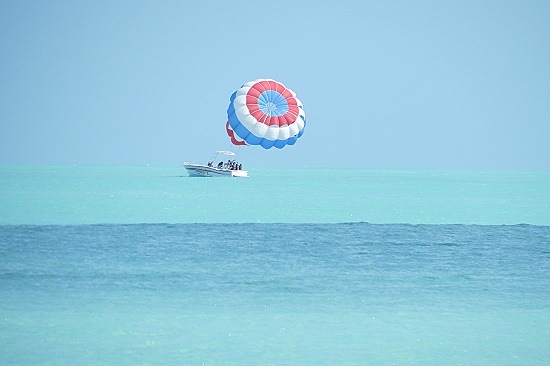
<point>264,112</point>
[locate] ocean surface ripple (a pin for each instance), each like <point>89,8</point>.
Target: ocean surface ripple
<point>351,293</point>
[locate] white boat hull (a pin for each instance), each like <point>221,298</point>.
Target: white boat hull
<point>200,170</point>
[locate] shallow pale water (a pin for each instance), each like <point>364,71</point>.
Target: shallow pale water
<point>90,194</point>
<point>210,285</point>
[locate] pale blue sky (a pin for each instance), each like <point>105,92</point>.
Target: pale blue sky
<point>420,84</point>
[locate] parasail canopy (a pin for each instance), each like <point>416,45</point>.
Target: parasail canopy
<point>264,112</point>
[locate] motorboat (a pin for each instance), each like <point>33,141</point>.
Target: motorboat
<point>229,168</point>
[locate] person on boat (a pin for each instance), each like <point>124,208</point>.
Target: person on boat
<point>220,164</point>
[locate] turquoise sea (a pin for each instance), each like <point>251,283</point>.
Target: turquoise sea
<point>142,265</point>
